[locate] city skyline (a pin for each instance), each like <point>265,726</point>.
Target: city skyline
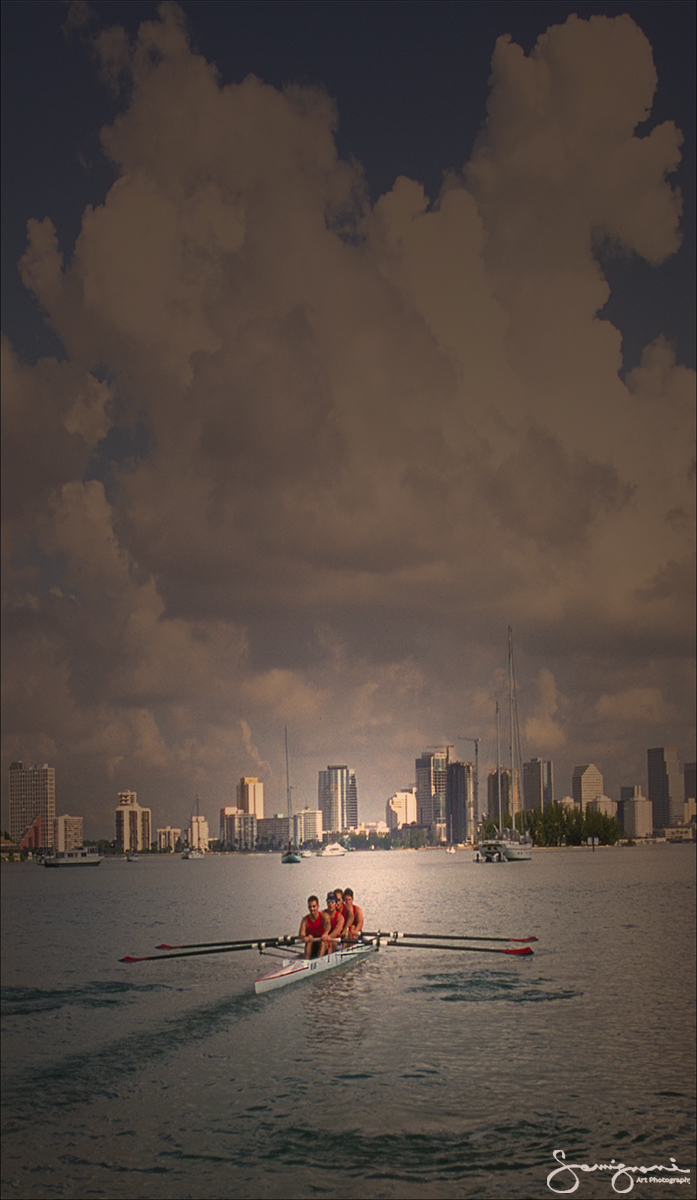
<point>435,786</point>
<point>324,363</point>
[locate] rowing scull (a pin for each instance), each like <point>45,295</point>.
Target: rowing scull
<point>293,970</point>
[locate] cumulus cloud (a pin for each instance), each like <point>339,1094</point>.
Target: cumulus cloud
<point>374,437</point>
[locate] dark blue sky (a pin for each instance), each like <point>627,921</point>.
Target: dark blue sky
<point>410,84</point>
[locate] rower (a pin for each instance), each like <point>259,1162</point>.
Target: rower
<point>353,921</point>
<point>340,906</point>
<point>335,921</point>
<point>314,928</point>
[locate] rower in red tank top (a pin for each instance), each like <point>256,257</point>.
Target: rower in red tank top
<point>335,921</point>
<point>314,929</point>
<point>353,918</point>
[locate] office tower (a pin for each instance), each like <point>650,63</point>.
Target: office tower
<point>67,833</point>
<point>401,809</point>
<point>431,783</point>
<point>32,794</point>
<point>510,794</point>
<point>690,781</point>
<point>586,784</point>
<point>197,834</point>
<point>635,813</point>
<point>250,796</point>
<point>337,798</point>
<point>459,803</point>
<point>666,787</point>
<point>604,805</point>
<point>538,783</point>
<point>133,823</point>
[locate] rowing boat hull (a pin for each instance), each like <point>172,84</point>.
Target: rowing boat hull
<point>306,968</point>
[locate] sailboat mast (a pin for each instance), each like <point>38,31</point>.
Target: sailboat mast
<point>288,798</point>
<point>511,786</point>
<point>498,762</point>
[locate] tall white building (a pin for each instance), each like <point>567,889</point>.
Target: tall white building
<point>250,796</point>
<point>337,798</point>
<point>32,794</point>
<point>167,838</point>
<point>133,824</point>
<point>197,834</point>
<point>431,784</point>
<point>401,809</point>
<point>67,833</point>
<point>307,826</point>
<point>586,784</point>
<point>637,814</point>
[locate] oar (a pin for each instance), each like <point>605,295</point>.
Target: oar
<point>225,948</point>
<point>521,950</point>
<point>284,939</point>
<point>454,937</point>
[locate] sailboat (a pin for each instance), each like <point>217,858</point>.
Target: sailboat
<point>291,855</point>
<point>508,845</point>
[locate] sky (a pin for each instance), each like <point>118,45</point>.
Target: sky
<point>337,339</point>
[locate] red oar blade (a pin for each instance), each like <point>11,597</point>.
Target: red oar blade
<point>517,949</point>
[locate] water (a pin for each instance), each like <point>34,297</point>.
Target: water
<point>412,1074</point>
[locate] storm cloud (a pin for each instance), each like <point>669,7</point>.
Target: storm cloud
<point>307,457</point>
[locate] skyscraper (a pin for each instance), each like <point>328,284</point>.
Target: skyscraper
<point>32,794</point>
<point>538,783</point>
<point>250,796</point>
<point>431,783</point>
<point>459,802</point>
<point>337,796</point>
<point>666,787</point>
<point>133,824</point>
<point>586,784</point>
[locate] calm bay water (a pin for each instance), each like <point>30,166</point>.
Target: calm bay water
<point>413,1074</point>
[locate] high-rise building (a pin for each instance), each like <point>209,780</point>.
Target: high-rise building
<point>510,794</point>
<point>337,798</point>
<point>690,781</point>
<point>67,833</point>
<point>32,794</point>
<point>167,838</point>
<point>307,826</point>
<point>431,784</point>
<point>538,783</point>
<point>459,803</point>
<point>635,813</point>
<point>586,784</point>
<point>401,809</point>
<point>198,834</point>
<point>666,786</point>
<point>133,824</point>
<point>239,829</point>
<point>250,796</point>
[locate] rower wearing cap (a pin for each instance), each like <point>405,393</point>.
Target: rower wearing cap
<point>314,928</point>
<point>353,917</point>
<point>336,922</point>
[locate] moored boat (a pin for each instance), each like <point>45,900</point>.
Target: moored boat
<point>73,858</point>
<point>333,850</point>
<point>292,970</point>
<point>192,852</point>
<point>290,855</point>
